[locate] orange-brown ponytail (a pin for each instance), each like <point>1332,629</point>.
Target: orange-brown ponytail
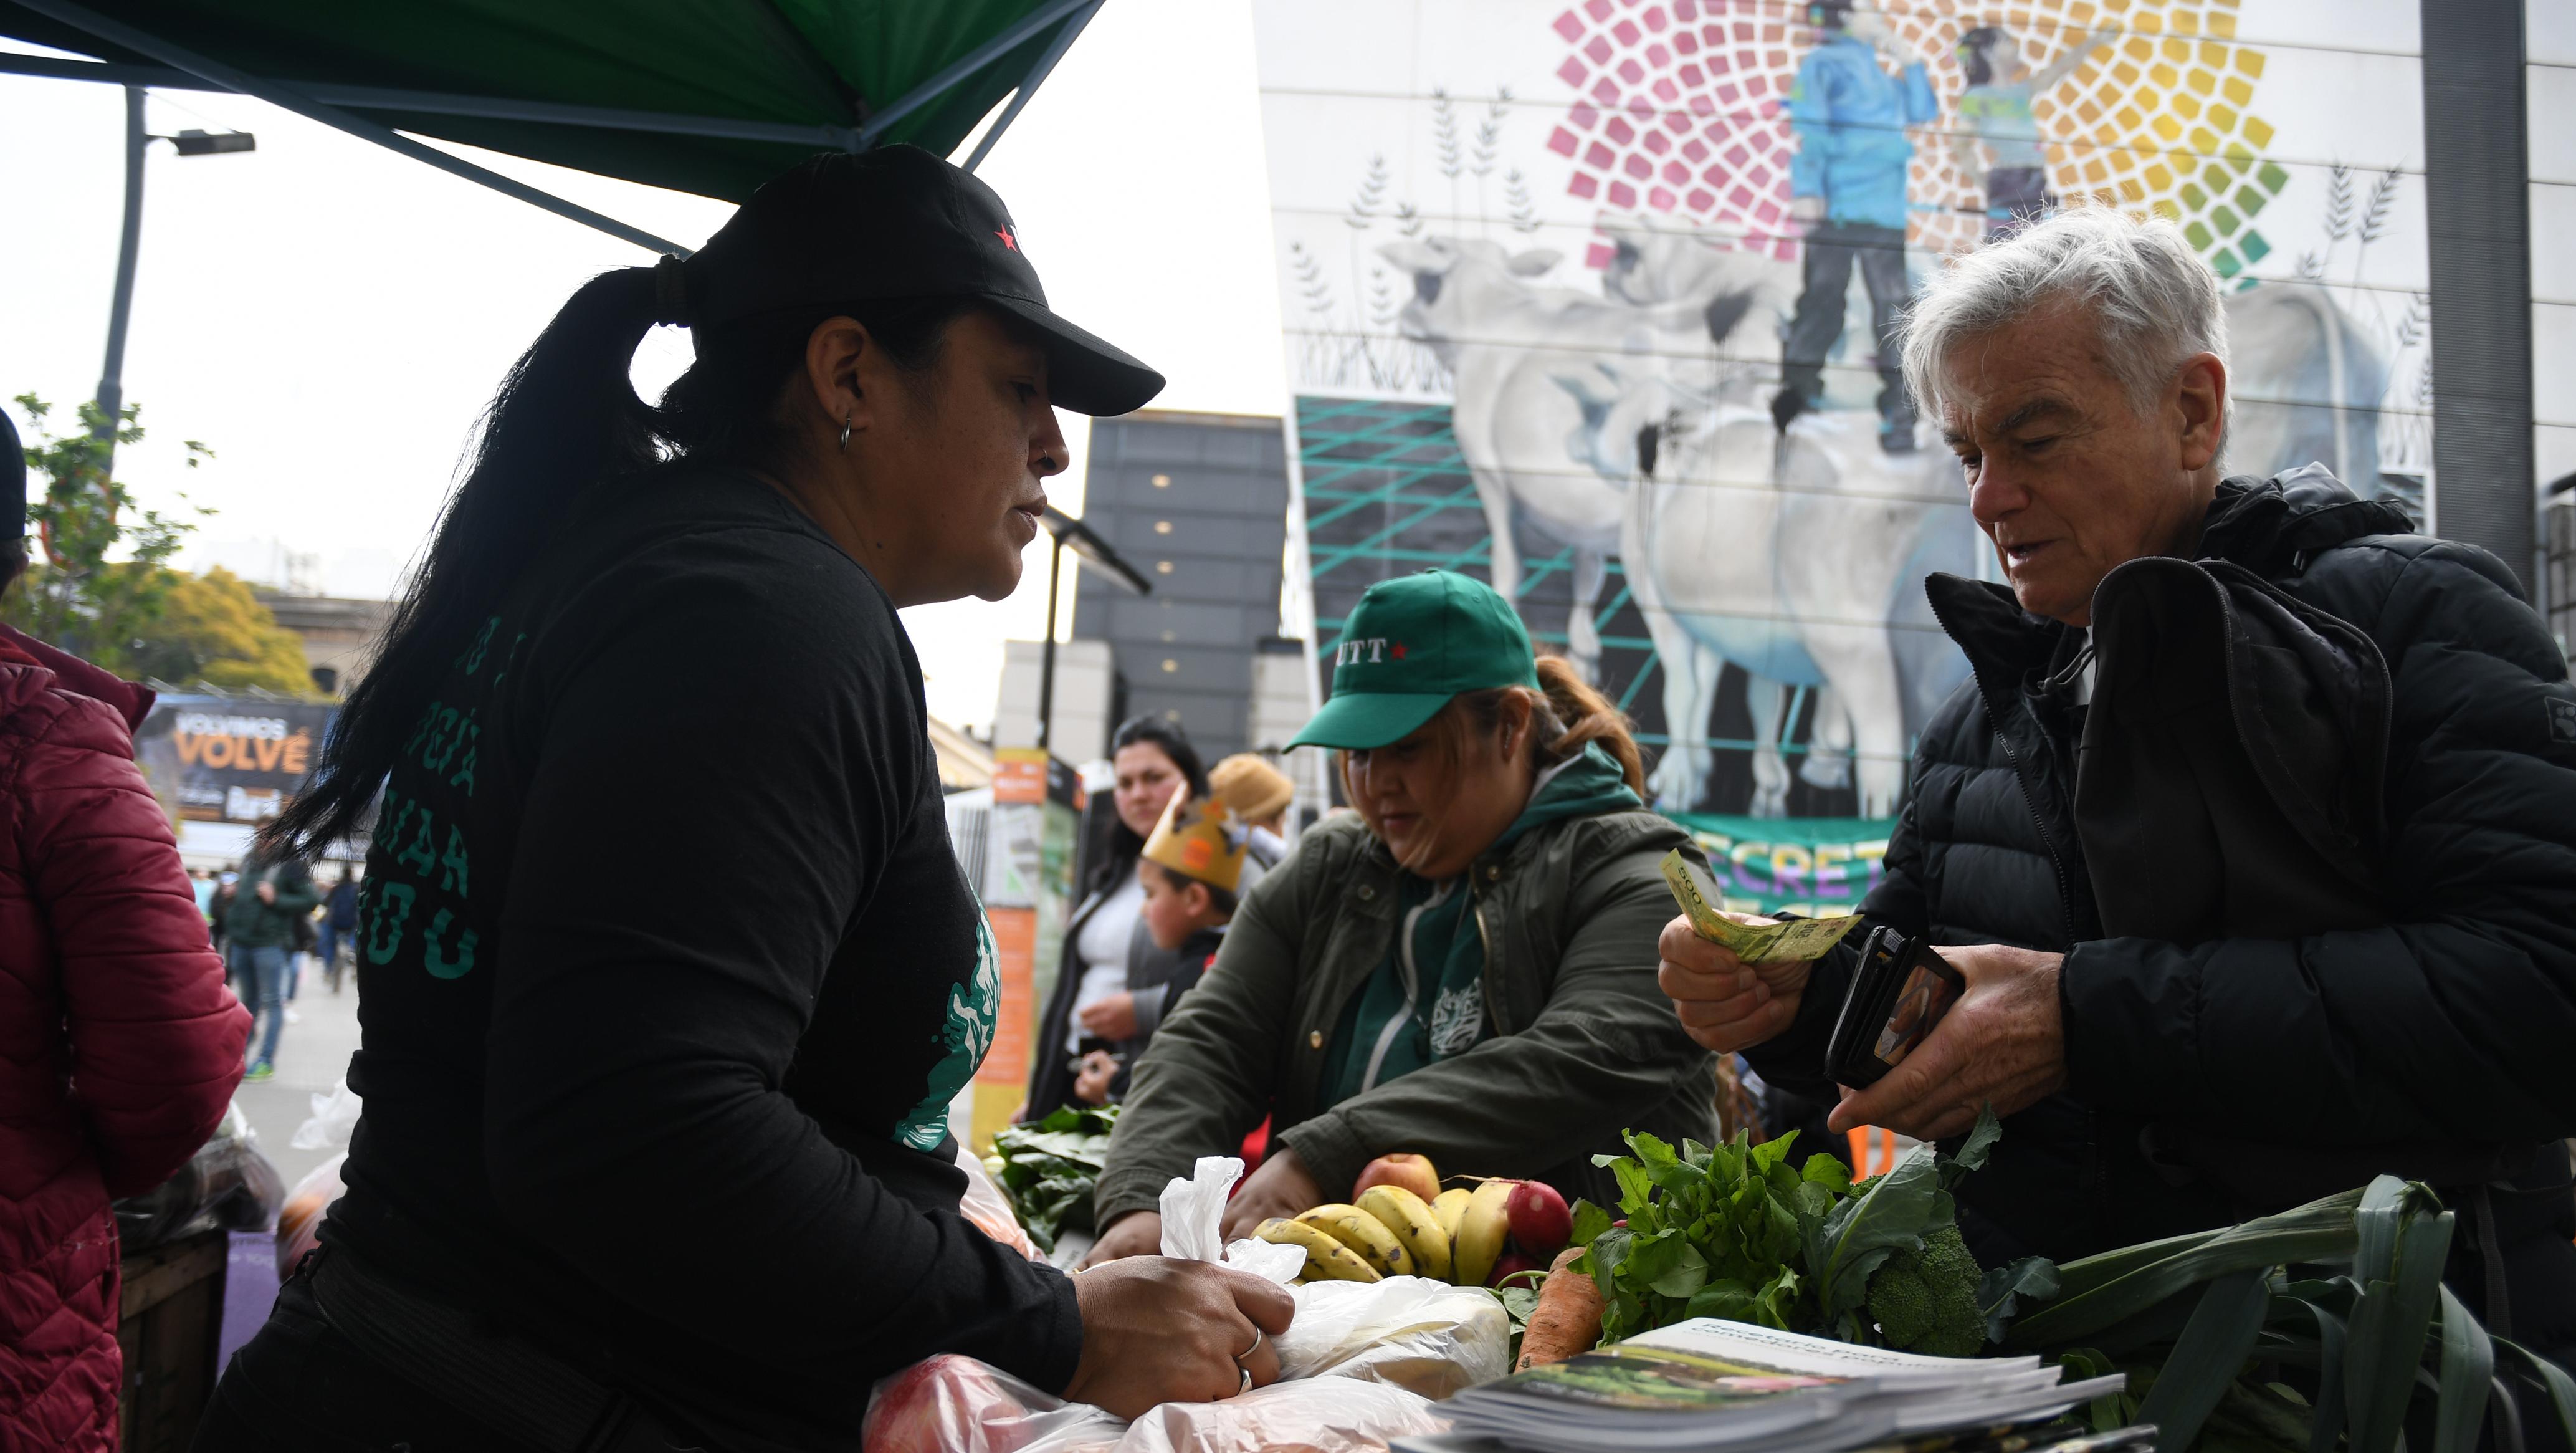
<point>1581,716</point>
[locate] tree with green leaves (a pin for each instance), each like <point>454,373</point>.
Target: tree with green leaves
<point>73,595</point>
<point>101,586</point>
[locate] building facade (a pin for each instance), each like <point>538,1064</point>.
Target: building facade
<point>1199,503</point>
<point>339,633</point>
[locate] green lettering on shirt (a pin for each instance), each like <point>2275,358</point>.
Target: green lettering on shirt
<point>506,661</point>
<point>442,740</point>
<point>398,816</point>
<point>420,733</point>
<point>436,959</point>
<point>472,661</point>
<point>451,864</point>
<point>465,774</point>
<point>420,854</point>
<point>384,925</point>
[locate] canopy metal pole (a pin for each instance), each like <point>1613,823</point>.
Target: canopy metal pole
<point>111,375</point>
<point>1035,78</point>
<point>975,60</point>
<point>83,18</point>
<point>445,103</point>
<point>1046,653</point>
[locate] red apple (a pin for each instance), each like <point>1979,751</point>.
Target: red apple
<point>1512,1263</point>
<point>1541,1224</point>
<point>1413,1172</point>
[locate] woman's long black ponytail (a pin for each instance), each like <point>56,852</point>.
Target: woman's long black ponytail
<point>565,418</point>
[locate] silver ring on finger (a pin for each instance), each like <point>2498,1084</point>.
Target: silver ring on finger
<point>1247,1380</point>
<point>1257,1335</point>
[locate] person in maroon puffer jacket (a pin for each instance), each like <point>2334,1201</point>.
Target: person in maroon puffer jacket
<point>119,1044</point>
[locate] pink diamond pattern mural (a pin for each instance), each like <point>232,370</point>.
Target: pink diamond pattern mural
<point>1679,107</point>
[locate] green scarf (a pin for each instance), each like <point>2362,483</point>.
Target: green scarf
<point>1426,1002</point>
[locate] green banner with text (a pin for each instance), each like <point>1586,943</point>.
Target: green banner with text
<point>1814,866</point>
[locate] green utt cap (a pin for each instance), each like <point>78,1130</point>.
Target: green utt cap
<point>1410,645</point>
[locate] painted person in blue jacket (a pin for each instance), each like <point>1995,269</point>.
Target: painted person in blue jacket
<point>1847,189</point>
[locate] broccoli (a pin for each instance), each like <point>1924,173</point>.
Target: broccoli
<point>1926,1300</point>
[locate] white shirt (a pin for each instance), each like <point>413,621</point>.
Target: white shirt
<point>1100,948</point>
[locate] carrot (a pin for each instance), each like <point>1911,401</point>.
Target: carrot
<point>1567,1319</point>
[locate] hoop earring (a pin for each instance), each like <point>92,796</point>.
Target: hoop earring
<point>845,433</point>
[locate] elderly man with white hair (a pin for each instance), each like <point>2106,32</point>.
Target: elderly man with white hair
<point>2253,835</point>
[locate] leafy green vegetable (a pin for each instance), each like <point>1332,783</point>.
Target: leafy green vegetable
<point>1847,1246</point>
<point>2000,1291</point>
<point>1734,1231</point>
<point>1519,1295</point>
<point>2349,1286</point>
<point>1049,1169</point>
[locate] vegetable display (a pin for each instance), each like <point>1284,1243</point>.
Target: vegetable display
<point>2347,1289</point>
<point>1050,1168</point>
<point>1566,1317</point>
<point>1733,1231</point>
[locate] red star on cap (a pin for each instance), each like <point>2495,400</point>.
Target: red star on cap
<point>1399,650</point>
<point>1008,240</point>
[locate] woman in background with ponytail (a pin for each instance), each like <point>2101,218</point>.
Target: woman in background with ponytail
<point>654,1165</point>
<point>1464,968</point>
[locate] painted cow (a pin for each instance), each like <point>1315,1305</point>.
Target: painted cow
<point>1504,339</point>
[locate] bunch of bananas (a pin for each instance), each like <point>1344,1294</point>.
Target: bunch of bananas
<point>1391,1231</point>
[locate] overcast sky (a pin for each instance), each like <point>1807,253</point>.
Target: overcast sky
<point>329,317</point>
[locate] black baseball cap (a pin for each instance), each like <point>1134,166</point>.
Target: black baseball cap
<point>895,222</point>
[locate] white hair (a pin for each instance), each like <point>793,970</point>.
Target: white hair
<point>2152,301</point>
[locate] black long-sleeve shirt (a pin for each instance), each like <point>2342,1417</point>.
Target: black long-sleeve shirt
<point>668,974</point>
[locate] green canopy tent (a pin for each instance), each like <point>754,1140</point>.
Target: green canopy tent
<point>705,96</point>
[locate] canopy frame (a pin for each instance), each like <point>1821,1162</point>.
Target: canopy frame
<point>322,102</point>
<point>447,103</point>
<point>1038,71</point>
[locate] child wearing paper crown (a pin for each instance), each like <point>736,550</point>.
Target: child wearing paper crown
<point>1189,870</point>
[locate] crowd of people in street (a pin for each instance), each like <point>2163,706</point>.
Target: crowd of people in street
<point>275,925</point>
<point>669,1164</point>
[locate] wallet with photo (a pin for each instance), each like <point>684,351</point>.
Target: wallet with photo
<point>1900,992</point>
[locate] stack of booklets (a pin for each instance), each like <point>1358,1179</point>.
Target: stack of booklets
<point>1715,1385</point>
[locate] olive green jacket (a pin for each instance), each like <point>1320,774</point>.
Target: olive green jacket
<point>1580,1044</point>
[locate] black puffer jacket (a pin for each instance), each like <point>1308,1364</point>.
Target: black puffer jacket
<point>2454,1022</point>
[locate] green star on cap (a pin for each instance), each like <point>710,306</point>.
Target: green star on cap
<point>1410,645</point>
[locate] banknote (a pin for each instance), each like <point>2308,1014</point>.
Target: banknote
<point>1793,940</point>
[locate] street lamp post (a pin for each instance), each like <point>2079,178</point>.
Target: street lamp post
<point>1085,542</point>
<point>111,378</point>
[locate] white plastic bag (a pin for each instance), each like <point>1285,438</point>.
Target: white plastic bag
<point>1424,1336</point>
<point>951,1404</point>
<point>299,1222</point>
<point>988,1209</point>
<point>1331,1416</point>
<point>335,1119</point>
<point>1194,1209</point>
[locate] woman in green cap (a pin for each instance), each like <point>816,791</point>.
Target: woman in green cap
<point>1465,968</point>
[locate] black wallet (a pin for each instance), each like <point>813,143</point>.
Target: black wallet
<point>1901,991</point>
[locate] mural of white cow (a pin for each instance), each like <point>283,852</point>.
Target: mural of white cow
<point>1792,559</point>
<point>1503,340</point>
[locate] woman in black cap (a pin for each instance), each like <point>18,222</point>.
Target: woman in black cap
<point>647,1165</point>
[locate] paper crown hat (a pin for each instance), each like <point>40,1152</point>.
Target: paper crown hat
<point>1202,840</point>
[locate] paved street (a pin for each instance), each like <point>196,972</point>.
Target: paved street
<point>311,1058</point>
